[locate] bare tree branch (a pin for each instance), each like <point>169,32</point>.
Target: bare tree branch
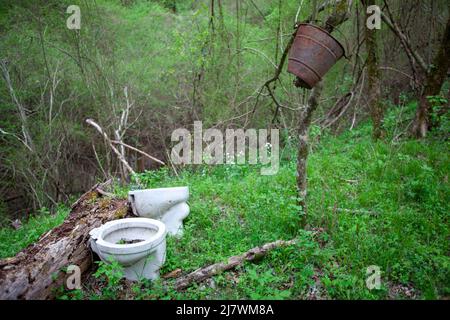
<point>108,140</point>
<point>137,150</point>
<point>403,39</point>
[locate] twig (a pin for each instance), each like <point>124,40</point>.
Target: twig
<point>262,54</point>
<point>360,211</point>
<point>27,140</point>
<point>403,39</point>
<point>359,98</point>
<point>259,10</point>
<point>99,162</point>
<point>399,71</point>
<point>171,163</point>
<point>327,122</point>
<point>104,193</point>
<point>140,151</point>
<point>298,12</point>
<point>117,152</point>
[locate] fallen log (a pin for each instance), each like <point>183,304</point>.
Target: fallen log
<point>38,271</point>
<point>232,262</point>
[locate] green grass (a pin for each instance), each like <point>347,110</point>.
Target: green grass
<point>399,196</point>
<point>383,204</point>
<point>12,241</point>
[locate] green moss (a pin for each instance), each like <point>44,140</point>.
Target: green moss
<point>104,203</point>
<point>121,213</point>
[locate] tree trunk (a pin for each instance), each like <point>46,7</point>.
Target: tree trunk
<point>373,70</point>
<point>37,271</point>
<point>433,84</point>
<point>303,148</point>
<point>339,16</point>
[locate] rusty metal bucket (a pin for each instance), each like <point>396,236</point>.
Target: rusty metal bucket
<point>312,54</point>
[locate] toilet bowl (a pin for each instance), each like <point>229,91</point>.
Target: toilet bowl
<point>138,244</point>
<point>165,204</point>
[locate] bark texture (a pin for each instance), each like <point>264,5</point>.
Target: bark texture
<point>37,271</point>
<point>303,147</point>
<point>374,78</point>
<point>433,85</point>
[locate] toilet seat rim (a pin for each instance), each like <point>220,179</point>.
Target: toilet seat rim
<point>181,188</point>
<point>134,248</point>
<point>174,194</point>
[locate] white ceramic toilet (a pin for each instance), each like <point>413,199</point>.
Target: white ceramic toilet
<point>165,204</point>
<point>138,244</point>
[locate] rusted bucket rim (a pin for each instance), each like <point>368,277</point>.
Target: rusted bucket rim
<point>325,31</point>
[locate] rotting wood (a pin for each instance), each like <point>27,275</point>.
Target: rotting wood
<point>37,272</point>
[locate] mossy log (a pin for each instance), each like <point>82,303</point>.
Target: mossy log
<point>37,272</point>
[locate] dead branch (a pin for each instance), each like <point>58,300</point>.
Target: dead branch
<point>121,129</point>
<point>412,54</point>
<point>338,110</point>
<point>232,262</point>
<point>139,151</point>
<point>357,211</point>
<point>105,193</point>
<point>108,140</point>
<point>27,140</point>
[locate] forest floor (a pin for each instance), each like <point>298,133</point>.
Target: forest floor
<point>382,204</point>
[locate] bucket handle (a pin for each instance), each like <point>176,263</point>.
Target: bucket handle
<point>347,49</point>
